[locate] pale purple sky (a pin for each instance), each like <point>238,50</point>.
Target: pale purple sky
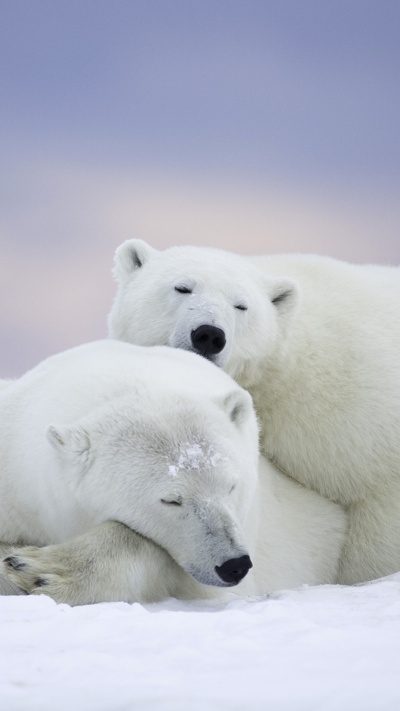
<point>255,126</point>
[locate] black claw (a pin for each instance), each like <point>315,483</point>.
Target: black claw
<point>40,583</point>
<point>14,563</point>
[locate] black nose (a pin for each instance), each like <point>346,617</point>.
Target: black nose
<point>234,570</point>
<point>208,340</point>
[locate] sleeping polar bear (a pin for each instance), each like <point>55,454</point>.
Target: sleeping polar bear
<point>137,470</point>
<point>317,344</point>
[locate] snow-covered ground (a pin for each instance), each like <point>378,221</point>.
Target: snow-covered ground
<point>325,648</point>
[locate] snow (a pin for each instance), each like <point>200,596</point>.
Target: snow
<point>326,648</point>
<point>195,455</point>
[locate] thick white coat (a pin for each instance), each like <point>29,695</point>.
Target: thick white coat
<point>316,342</point>
<point>164,443</point>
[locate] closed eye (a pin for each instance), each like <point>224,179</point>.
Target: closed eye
<point>172,502</point>
<point>183,290</point>
<point>241,307</point>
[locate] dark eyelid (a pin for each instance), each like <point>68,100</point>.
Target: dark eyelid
<point>173,502</point>
<point>241,307</point>
<point>183,290</point>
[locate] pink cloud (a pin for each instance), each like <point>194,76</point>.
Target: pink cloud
<point>56,254</point>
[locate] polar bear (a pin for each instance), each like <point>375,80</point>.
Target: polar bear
<point>316,342</point>
<point>137,471</point>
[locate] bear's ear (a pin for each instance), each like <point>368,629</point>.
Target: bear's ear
<point>238,405</point>
<point>284,293</point>
<point>72,443</point>
<point>131,255</point>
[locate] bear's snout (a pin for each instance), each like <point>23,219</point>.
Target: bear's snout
<point>234,570</point>
<point>208,340</point>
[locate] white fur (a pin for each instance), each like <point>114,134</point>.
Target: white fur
<point>318,348</point>
<point>166,444</point>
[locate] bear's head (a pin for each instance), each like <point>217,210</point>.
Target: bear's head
<point>212,302</point>
<point>180,470</point>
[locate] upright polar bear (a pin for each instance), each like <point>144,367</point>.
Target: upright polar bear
<point>317,344</point>
<point>161,442</point>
